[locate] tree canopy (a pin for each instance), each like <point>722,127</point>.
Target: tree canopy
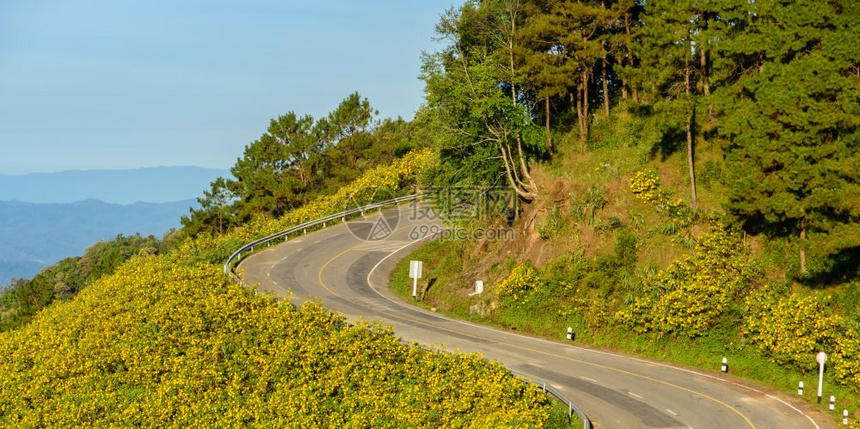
<point>774,83</point>
<point>296,159</point>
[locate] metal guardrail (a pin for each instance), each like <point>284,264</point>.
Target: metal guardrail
<point>249,247</point>
<point>341,216</point>
<point>550,390</point>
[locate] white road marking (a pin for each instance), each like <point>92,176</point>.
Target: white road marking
<point>672,412</point>
<point>634,395</point>
<point>589,379</point>
<point>795,409</point>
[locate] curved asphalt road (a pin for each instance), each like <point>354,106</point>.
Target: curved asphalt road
<point>350,276</point>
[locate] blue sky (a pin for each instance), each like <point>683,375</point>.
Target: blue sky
<point>127,84</point>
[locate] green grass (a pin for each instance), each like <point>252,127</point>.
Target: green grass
<point>541,320</point>
<point>581,216</point>
<point>559,419</point>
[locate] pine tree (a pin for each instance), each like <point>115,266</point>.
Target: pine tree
<point>793,123</point>
<point>272,172</point>
<point>669,52</point>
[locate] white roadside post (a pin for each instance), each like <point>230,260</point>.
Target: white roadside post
<point>845,417</point>
<point>800,389</point>
<point>479,288</point>
<point>832,403</point>
<point>415,268</point>
<point>821,358</point>
<point>724,367</point>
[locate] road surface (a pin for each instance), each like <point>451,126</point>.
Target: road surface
<point>350,276</point>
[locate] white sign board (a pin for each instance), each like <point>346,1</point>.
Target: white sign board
<point>821,358</point>
<point>415,268</point>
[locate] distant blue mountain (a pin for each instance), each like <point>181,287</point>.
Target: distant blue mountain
<point>33,236</point>
<point>152,185</point>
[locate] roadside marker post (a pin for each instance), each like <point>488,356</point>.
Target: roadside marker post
<point>845,417</point>
<point>479,288</point>
<point>724,368</point>
<point>800,389</point>
<point>415,268</point>
<point>832,402</point>
<point>569,333</point>
<point>821,358</point>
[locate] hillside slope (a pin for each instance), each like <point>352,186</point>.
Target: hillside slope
<point>168,340</point>
<point>612,249</point>
<point>161,344</point>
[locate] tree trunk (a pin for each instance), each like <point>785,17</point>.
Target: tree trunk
<point>706,79</point>
<point>623,88</point>
<point>690,112</point>
<point>526,190</point>
<point>802,245</point>
<point>303,178</point>
<point>585,102</point>
<point>690,158</point>
<point>583,133</point>
<point>633,89</point>
<point>548,130</point>
<point>511,57</point>
<point>605,86</point>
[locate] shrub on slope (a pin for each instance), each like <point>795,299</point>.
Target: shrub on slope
<point>159,343</point>
<point>364,190</point>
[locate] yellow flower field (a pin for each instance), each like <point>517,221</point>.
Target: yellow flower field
<point>168,342</point>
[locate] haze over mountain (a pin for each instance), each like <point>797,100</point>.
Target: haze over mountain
<point>33,236</point>
<point>46,217</point>
<point>151,185</point>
